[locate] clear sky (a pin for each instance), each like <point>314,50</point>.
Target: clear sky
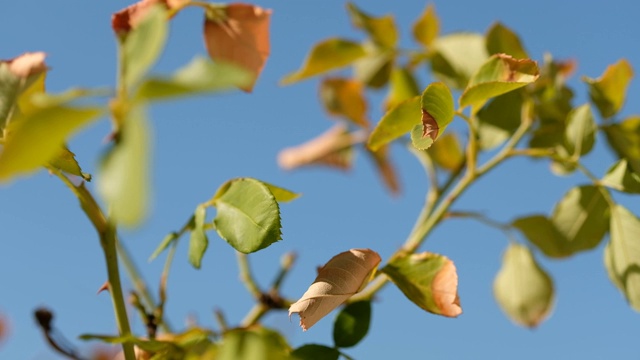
<point>51,256</point>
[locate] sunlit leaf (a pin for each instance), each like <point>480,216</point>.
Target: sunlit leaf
<point>332,148</point>
<point>168,239</point>
<point>238,34</point>
<point>396,122</point>
<point>500,39</point>
<point>522,288</point>
<point>447,152</point>
<point>437,114</point>
<point>622,178</point>
<point>382,30</point>
<point>199,76</point>
<point>385,168</point>
<point>540,231</point>
<point>144,44</point>
<point>66,161</point>
<point>499,75</point>
<point>499,119</point>
<point>198,242</point>
<point>352,324</point>
<point>248,216</point>
<point>624,138</point>
<point>610,90</point>
<point>315,352</point>
<point>345,98</point>
<point>456,57</point>
<point>255,343</point>
<point>580,134</point>
<point>622,254</point>
<point>426,28</point>
<point>325,56</point>
<point>35,139</point>
<point>374,70</point>
<point>340,278</point>
<point>281,194</point>
<point>403,86</point>
<point>428,280</point>
<point>16,76</point>
<point>124,172</point>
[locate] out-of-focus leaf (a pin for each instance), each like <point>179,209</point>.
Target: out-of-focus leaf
<point>199,76</point>
<point>499,119</point>
<point>403,86</point>
<point>456,57</point>
<point>198,242</point>
<point>37,138</point>
<point>325,56</point>
<point>345,98</point>
<point>540,231</point>
<point>17,76</point>
<point>238,34</point>
<point>352,324</point>
<point>622,254</point>
<point>385,169</point>
<point>610,90</point>
<point>144,44</point>
<point>382,30</point>
<point>130,17</point>
<point>447,152</point>
<point>124,172</point>
<point>168,239</point>
<point>428,280</point>
<point>4,329</point>
<point>500,39</point>
<point>66,161</point>
<point>522,288</point>
<point>340,278</point>
<point>426,28</point>
<point>374,70</point>
<point>332,148</point>
<point>499,75</point>
<point>315,352</point>
<point>622,178</point>
<point>437,114</point>
<point>580,134</point>
<point>248,216</point>
<point>624,138</point>
<point>395,123</point>
<point>255,343</point>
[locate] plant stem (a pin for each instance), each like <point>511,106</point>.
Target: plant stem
<point>255,314</point>
<point>247,277</point>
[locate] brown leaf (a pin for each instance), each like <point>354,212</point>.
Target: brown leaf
<point>345,98</point>
<point>27,64</point>
<point>429,126</point>
<point>340,278</point>
<point>239,35</point>
<point>4,329</point>
<point>126,19</point>
<point>445,290</point>
<point>332,148</point>
<point>385,169</point>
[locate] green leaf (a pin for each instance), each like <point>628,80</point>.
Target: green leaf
<point>395,123</point>
<point>281,194</point>
<point>522,288</point>
<point>499,119</point>
<point>199,76</point>
<point>541,232</point>
<point>315,352</point>
<point>328,55</point>
<point>500,39</point>
<point>352,324</point>
<point>437,114</point>
<point>374,70</point>
<point>148,345</point>
<point>457,57</point>
<point>168,239</point>
<point>198,241</point>
<point>143,45</point>
<point>610,90</point>
<point>403,86</point>
<point>256,343</point>
<point>499,75</point>
<point>428,280</point>
<point>622,254</point>
<point>580,134</point>
<point>37,138</point>
<point>624,138</point>
<point>124,172</point>
<point>622,178</point>
<point>382,30</point>
<point>425,30</point>
<point>447,152</point>
<point>248,216</point>
<point>66,161</point>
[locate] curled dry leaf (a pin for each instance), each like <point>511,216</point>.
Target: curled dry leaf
<point>239,35</point>
<point>332,148</point>
<point>429,126</point>
<point>340,278</point>
<point>27,64</point>
<point>126,19</point>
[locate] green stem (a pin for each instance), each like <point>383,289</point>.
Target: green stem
<point>247,277</point>
<point>255,314</point>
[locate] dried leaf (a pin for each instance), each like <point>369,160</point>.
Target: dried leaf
<point>332,148</point>
<point>340,278</point>
<point>240,35</point>
<point>429,125</point>
<point>345,98</point>
<point>27,64</point>
<point>128,18</point>
<point>385,169</point>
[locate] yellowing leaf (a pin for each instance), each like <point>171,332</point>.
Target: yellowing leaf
<point>239,34</point>
<point>66,161</point>
<point>522,288</point>
<point>325,56</point>
<point>610,90</point>
<point>16,78</point>
<point>340,278</point>
<point>426,28</point>
<point>403,86</point>
<point>622,254</point>
<point>385,169</point>
<point>382,30</point>
<point>429,280</point>
<point>447,152</point>
<point>398,121</point>
<point>624,138</point>
<point>500,39</point>
<point>345,98</point>
<point>456,57</point>
<point>622,178</point>
<point>332,148</point>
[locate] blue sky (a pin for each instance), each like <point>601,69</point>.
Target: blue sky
<point>51,256</point>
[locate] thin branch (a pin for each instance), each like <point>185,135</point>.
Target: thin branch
<point>246,276</point>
